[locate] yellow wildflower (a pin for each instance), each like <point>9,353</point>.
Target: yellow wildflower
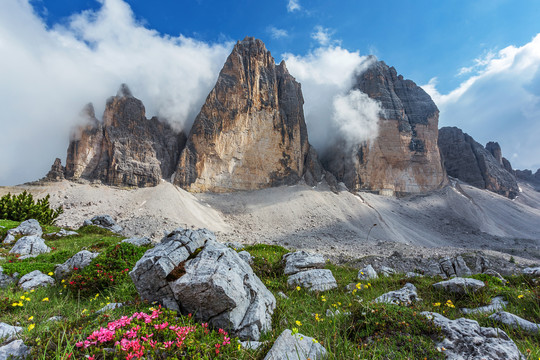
<point>298,323</point>
<point>31,326</point>
<point>63,281</point>
<point>437,304</point>
<point>359,286</point>
<point>315,341</point>
<point>30,318</point>
<point>50,273</point>
<point>323,298</point>
<point>32,290</point>
<point>45,299</point>
<point>520,296</point>
<point>298,288</point>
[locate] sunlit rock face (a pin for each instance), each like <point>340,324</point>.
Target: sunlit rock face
<point>403,157</point>
<point>250,133</point>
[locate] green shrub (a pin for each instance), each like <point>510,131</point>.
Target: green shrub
<point>23,207</point>
<point>110,268</point>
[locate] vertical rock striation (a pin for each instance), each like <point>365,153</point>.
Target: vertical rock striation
<point>481,167</point>
<point>250,133</point>
<point>126,149</point>
<point>404,157</point>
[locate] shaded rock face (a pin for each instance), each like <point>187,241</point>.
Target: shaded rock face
<point>250,133</point>
<point>470,162</point>
<point>404,157</point>
<point>57,171</point>
<point>528,175</point>
<point>126,149</point>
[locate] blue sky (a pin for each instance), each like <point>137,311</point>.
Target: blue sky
<point>478,59</point>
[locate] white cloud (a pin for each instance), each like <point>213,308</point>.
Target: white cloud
<point>293,5</point>
<point>276,33</point>
<point>500,102</point>
<point>327,75</point>
<point>49,74</point>
<point>322,35</point>
<point>356,116</point>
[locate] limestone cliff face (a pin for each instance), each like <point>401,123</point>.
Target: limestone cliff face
<point>126,149</point>
<point>404,157</point>
<point>250,133</point>
<point>470,162</point>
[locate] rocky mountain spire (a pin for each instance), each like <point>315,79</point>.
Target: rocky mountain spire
<point>404,157</point>
<point>250,133</point>
<point>126,149</point>
<point>469,161</point>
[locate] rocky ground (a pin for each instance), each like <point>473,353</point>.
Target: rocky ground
<point>409,231</point>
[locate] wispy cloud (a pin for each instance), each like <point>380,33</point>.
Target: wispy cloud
<point>500,101</point>
<point>44,87</point>
<point>322,35</point>
<point>293,5</point>
<point>276,33</point>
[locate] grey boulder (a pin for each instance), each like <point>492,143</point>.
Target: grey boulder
<point>8,332</point>
<point>295,347</point>
<point>63,233</point>
<point>367,273</point>
<point>104,221</point>
<point>497,303</point>
<point>80,260</point>
<point>411,274</point>
<point>190,271</point>
<point>449,267</point>
<point>460,285</point>
<point>515,322</point>
<point>5,280</point>
<point>14,350</point>
<point>387,271</point>
<point>30,246</point>
<point>532,271</point>
<point>221,288</point>
<point>143,241</point>
<point>466,339</point>
<point>407,295</point>
<point>301,261</point>
<point>26,228</point>
<point>35,279</point>
<point>313,280</point>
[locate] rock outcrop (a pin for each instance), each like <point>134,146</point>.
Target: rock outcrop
<point>482,167</point>
<point>528,175</point>
<point>250,133</point>
<point>404,157</point>
<point>126,149</point>
<point>57,172</point>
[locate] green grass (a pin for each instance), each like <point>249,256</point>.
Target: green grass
<point>363,330</point>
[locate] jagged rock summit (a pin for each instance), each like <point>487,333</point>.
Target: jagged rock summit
<point>250,133</point>
<point>404,157</point>
<point>482,167</point>
<point>126,149</point>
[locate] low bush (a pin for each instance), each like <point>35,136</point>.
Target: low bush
<point>110,268</point>
<point>23,207</point>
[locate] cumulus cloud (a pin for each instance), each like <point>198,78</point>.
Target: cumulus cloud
<point>499,101</point>
<point>48,74</point>
<point>356,116</point>
<point>327,75</point>
<point>322,35</point>
<point>276,33</point>
<point>293,5</point>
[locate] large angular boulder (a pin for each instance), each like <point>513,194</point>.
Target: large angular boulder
<point>301,261</point>
<point>460,285</point>
<point>407,296</point>
<point>5,280</point>
<point>26,228</point>
<point>35,279</point>
<point>104,221</point>
<point>470,162</point>
<point>190,271</point>
<point>449,267</point>
<point>313,280</point>
<point>30,246</point>
<point>515,322</point>
<point>250,132</point>
<point>289,346</point>
<point>466,339</point>
<point>80,260</point>
<point>404,156</point>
